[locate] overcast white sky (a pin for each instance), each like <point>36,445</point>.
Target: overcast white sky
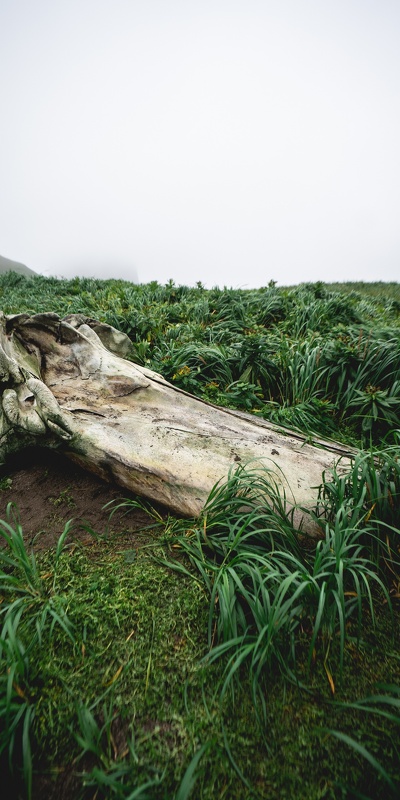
<point>227,141</point>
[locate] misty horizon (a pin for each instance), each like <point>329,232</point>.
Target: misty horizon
<point>230,144</point>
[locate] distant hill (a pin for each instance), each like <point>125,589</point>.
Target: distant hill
<point>6,265</point>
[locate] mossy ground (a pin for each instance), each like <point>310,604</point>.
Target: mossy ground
<point>140,637</point>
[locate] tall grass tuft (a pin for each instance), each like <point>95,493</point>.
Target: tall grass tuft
<point>368,497</point>
<point>31,607</point>
<point>268,584</point>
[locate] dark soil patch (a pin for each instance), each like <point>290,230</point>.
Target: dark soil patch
<point>48,490</point>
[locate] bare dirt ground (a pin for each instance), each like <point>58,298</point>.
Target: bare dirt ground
<point>48,490</point>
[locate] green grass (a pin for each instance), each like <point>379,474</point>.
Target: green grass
<point>323,359</point>
<point>112,676</point>
<point>232,656</point>
<point>164,716</point>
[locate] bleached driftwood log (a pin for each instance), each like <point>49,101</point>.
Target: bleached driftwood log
<point>65,383</point>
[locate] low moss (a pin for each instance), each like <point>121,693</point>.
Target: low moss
<point>140,635</point>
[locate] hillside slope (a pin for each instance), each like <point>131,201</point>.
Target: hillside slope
<point>7,265</point>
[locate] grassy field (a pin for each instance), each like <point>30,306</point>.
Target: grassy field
<point>229,657</point>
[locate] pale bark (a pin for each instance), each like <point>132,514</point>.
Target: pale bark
<point>66,384</point>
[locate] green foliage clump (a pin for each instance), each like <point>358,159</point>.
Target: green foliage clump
<point>323,359</point>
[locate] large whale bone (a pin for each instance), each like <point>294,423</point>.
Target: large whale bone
<point>65,383</point>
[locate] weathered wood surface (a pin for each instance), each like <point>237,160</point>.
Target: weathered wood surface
<point>65,383</point>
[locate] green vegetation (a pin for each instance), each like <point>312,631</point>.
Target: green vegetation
<point>322,361</point>
<point>231,656</point>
